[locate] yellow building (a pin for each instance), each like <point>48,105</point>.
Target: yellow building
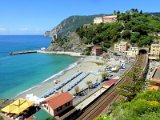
<point>154,52</point>
<point>116,47</point>
<point>121,47</point>
<point>132,52</point>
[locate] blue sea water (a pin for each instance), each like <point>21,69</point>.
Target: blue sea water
<point>21,72</point>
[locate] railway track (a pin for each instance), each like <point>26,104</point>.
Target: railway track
<point>111,95</point>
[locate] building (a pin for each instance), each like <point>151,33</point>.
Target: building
<point>98,20</point>
<point>155,78</point>
<point>58,103</point>
<point>41,115</point>
<point>154,52</point>
<point>121,47</point>
<point>133,52</point>
<point>97,50</point>
<point>111,18</point>
<point>116,47</point>
<point>105,19</point>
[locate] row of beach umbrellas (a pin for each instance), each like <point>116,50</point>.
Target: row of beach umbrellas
<point>77,82</point>
<point>68,80</point>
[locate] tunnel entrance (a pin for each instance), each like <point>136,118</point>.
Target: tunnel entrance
<point>142,51</point>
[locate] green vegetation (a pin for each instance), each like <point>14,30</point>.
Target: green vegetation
<point>86,51</point>
<point>146,106</point>
<point>104,75</point>
<point>132,26</point>
<point>132,88</point>
<point>1,118</point>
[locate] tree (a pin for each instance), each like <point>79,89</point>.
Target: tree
<point>134,85</point>
<point>145,40</point>
<point>134,37</point>
<point>145,106</point>
<point>89,83</point>
<point>76,89</point>
<point>126,34</point>
<point>104,75</point>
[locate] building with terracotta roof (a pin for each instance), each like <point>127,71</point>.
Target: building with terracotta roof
<point>97,50</point>
<point>111,18</point>
<point>58,103</point>
<point>105,19</point>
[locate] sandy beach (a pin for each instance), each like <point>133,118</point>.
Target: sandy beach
<point>85,65</point>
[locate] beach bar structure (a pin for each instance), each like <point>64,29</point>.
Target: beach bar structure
<point>58,103</point>
<point>17,107</point>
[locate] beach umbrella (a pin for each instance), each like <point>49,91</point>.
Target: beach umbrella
<point>18,110</point>
<point>9,108</point>
<point>27,104</point>
<point>19,102</point>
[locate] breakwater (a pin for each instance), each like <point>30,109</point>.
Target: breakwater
<point>23,52</point>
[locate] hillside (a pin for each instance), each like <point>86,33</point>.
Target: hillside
<point>70,24</point>
<point>136,27</point>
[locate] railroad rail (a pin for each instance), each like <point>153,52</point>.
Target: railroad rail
<point>111,95</point>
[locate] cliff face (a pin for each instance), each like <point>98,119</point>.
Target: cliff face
<point>70,24</point>
<point>72,44</point>
<point>66,29</point>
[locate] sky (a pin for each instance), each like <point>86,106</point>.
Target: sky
<point>21,17</point>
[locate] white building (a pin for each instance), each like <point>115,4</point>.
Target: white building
<point>98,20</point>
<point>133,51</point>
<point>121,47</point>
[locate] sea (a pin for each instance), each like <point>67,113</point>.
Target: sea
<point>19,73</point>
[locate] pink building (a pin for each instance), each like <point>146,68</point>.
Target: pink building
<point>109,18</point>
<point>97,50</point>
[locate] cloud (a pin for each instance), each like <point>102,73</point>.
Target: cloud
<point>2,29</point>
<point>23,29</point>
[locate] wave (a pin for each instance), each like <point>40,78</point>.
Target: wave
<point>26,90</point>
<point>61,72</point>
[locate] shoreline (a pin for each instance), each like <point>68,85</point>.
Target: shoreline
<point>60,53</point>
<point>48,84</point>
<point>51,78</point>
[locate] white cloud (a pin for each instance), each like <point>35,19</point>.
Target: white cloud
<point>2,29</point>
<point>23,29</point>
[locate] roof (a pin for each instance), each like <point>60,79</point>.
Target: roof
<point>156,75</point>
<point>155,45</point>
<point>97,47</point>
<point>112,16</point>
<point>153,87</point>
<point>59,100</point>
<point>110,82</point>
<point>42,115</point>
